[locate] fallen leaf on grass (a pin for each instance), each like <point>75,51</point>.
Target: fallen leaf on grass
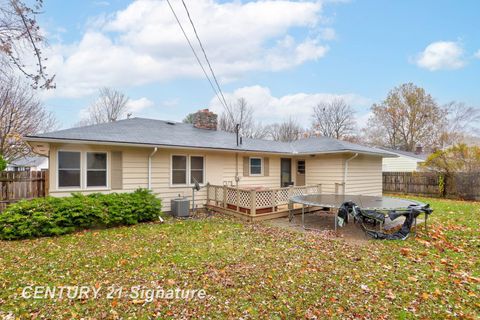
<point>365,288</point>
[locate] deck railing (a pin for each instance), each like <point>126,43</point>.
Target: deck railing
<point>253,201</point>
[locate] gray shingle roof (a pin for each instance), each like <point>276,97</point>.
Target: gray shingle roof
<point>419,156</point>
<point>175,134</point>
<point>28,162</point>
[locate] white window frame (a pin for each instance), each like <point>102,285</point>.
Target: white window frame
<point>250,167</point>
<point>189,172</point>
<point>58,170</point>
<point>107,175</point>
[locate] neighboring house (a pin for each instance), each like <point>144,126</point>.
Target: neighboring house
<point>167,157</point>
<point>405,162</point>
<point>29,164</point>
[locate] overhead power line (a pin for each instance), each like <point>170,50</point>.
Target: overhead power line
<point>222,102</point>
<point>204,53</point>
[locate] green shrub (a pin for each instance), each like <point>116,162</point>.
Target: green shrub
<point>3,163</point>
<point>55,216</point>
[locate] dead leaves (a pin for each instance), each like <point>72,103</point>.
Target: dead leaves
<point>253,271</point>
<point>405,251</point>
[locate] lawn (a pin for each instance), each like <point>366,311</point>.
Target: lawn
<point>252,271</point>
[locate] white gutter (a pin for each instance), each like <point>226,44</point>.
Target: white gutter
<point>147,145</point>
<point>150,168</point>
<point>345,173</point>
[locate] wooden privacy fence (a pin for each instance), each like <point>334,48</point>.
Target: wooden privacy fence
<point>431,184</point>
<point>15,186</point>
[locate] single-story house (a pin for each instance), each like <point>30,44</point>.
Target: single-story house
<point>167,157</point>
<point>405,161</point>
<point>37,163</point>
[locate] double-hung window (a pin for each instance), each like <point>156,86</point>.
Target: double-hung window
<point>256,166</point>
<point>96,169</point>
<point>179,169</point>
<point>188,169</point>
<point>196,169</point>
<point>69,170</point>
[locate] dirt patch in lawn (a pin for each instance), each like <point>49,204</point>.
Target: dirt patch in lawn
<point>322,224</point>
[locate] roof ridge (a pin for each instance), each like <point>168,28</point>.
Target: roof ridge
<point>157,132</point>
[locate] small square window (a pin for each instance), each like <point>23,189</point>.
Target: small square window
<point>256,166</point>
<point>301,166</point>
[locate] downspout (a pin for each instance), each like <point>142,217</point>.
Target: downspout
<point>345,173</point>
<point>150,168</point>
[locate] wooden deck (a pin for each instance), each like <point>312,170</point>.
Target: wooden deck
<point>255,203</point>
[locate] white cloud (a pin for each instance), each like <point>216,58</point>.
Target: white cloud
<point>137,105</point>
<point>441,55</point>
<point>328,34</point>
<point>269,108</point>
<point>143,43</point>
<point>477,54</point>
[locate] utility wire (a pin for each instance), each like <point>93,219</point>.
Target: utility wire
<point>196,56</point>
<point>204,53</point>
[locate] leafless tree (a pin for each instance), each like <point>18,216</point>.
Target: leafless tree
<point>21,113</point>
<point>286,131</point>
<point>333,119</point>
<point>21,39</point>
<point>462,122</point>
<point>241,113</point>
<point>408,117</point>
<point>111,105</point>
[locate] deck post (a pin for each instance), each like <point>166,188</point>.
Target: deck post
<point>237,198</point>
<point>274,199</point>
<point>208,193</point>
<point>224,204</point>
<point>319,188</point>
<point>253,204</point>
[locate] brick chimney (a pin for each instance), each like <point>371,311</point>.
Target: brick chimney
<point>418,150</point>
<point>205,119</point>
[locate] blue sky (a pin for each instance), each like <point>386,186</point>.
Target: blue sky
<point>283,57</point>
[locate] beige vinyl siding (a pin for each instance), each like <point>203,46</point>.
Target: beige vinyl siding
<point>161,177</point>
<point>134,168</point>
<point>364,173</point>
<point>400,164</point>
<point>270,181</point>
<point>365,176</point>
<point>325,170</point>
<point>220,168</point>
<point>116,178</point>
